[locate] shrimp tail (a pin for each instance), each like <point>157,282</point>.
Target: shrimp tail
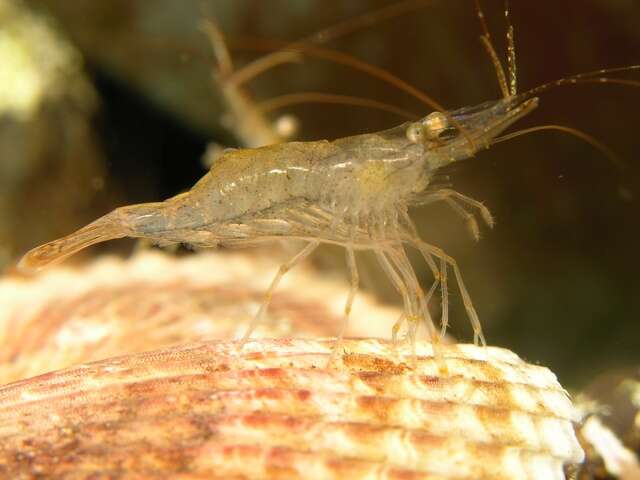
<point>101,230</point>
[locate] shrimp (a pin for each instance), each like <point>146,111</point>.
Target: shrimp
<point>355,192</point>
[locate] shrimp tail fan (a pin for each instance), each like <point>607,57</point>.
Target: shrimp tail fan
<point>101,230</point>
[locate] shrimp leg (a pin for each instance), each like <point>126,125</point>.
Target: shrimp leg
<point>399,258</point>
<point>425,248</point>
<point>395,259</point>
<point>355,280</point>
<point>440,275</point>
<point>453,199</point>
<point>284,268</point>
<point>396,264</point>
<point>402,289</point>
<point>405,265</point>
<point>398,283</point>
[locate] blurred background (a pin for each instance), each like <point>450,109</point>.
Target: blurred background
<point>104,103</point>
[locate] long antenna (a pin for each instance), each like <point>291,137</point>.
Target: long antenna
<point>357,64</point>
<point>321,97</point>
<point>588,77</point>
<point>343,29</point>
<point>608,152</point>
<point>342,59</point>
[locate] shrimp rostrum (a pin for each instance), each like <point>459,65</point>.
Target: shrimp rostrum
<point>355,192</point>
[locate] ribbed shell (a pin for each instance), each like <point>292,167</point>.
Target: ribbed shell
<point>110,307</point>
<point>273,411</point>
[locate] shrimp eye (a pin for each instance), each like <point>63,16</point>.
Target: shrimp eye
<point>436,126</point>
<point>414,132</point>
<point>448,133</point>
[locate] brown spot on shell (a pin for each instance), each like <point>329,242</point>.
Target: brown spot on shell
<point>373,363</point>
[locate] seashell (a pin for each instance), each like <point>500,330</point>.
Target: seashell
<point>609,430</point>
<point>606,455</point>
<point>108,307</point>
<point>207,410</point>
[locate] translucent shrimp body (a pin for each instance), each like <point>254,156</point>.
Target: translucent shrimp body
<point>353,191</point>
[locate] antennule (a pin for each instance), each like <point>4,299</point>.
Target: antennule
<point>511,51</point>
<point>491,51</point>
